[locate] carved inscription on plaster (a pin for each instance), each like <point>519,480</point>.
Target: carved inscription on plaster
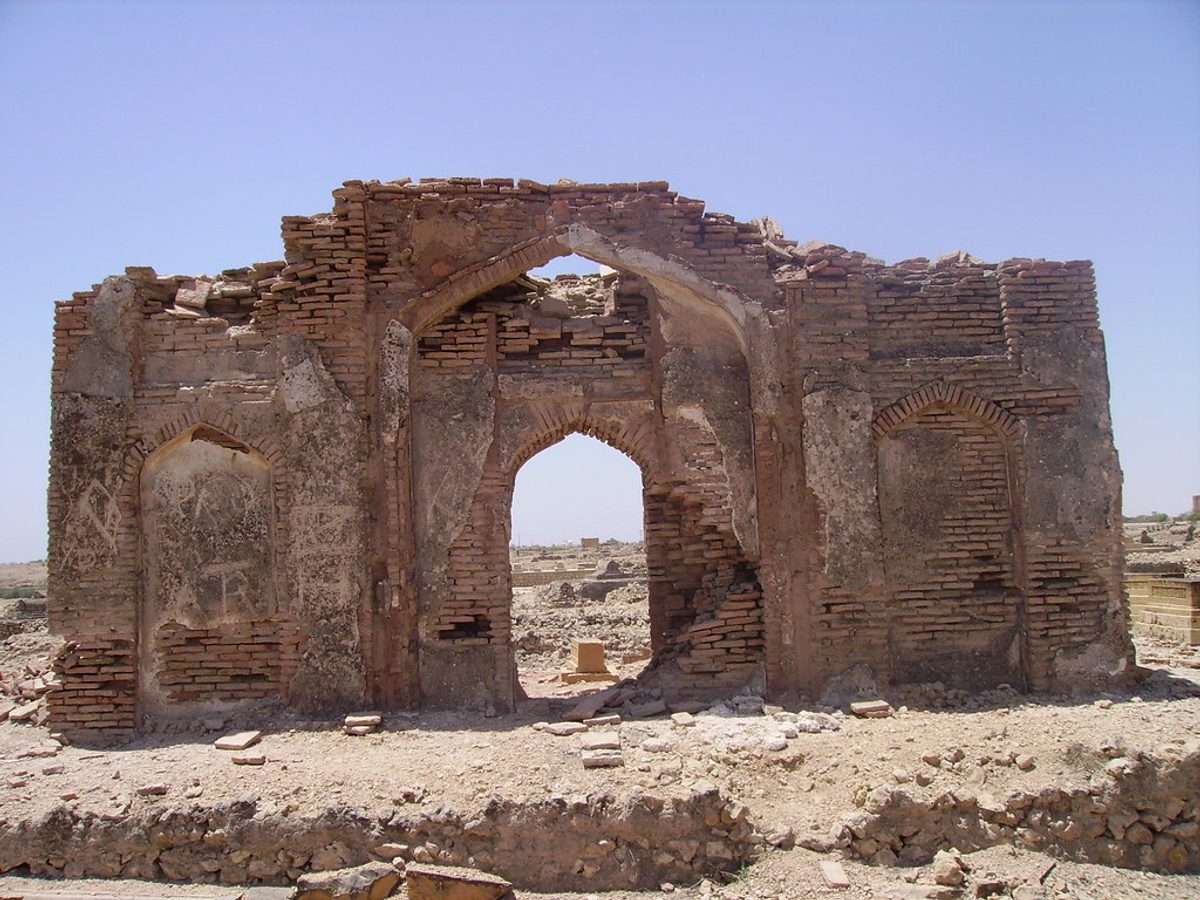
<point>206,512</point>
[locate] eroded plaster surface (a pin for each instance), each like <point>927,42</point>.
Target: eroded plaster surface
<point>291,483</point>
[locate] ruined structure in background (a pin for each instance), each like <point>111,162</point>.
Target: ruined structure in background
<point>292,482</point>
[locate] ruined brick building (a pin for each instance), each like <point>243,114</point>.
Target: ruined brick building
<point>292,482</point>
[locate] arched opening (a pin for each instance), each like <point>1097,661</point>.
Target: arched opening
<point>637,351</point>
<point>571,264</point>
<point>580,605</point>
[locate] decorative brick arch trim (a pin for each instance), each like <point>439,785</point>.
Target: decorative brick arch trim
<point>941,394</point>
<point>201,415</point>
<point>632,439</point>
<point>471,281</point>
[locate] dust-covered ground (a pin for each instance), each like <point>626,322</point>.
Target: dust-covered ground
<point>799,785</point>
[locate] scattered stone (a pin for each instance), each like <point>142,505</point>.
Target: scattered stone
<point>658,745</point>
<point>601,721</point>
<point>424,882</point>
<point>686,719</point>
<point>249,759</point>
<point>920,892</point>
<point>370,881</point>
<point>43,750</point>
<point>359,730</point>
<point>240,741</point>
<point>774,743</point>
<point>871,709</point>
<point>563,729</point>
<point>992,887</point>
<point>1024,762</point>
<point>589,707</point>
<point>68,796</point>
<point>601,740</point>
<point>363,719</point>
<point>24,713</point>
<point>193,792</point>
<point>948,868</point>
<point>153,790</point>
<point>603,759</point>
<point>834,874</point>
<point>54,770</point>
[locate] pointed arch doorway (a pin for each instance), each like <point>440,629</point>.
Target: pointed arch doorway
<point>578,568</point>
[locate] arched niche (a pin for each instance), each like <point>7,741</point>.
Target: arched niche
<point>207,629</point>
<point>951,544</point>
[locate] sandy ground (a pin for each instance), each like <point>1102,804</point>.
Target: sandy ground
<point>807,786</point>
<point>29,574</point>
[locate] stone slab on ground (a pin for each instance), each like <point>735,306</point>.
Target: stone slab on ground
<point>425,882</point>
<point>589,707</point>
<point>241,741</point>
<point>370,881</point>
<point>871,709</point>
<point>600,721</point>
<point>601,740</point>
<point>834,874</point>
<point>603,759</point>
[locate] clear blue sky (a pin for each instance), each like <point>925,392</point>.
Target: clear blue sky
<point>176,134</point>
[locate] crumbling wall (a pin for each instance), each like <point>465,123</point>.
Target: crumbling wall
<point>907,468</point>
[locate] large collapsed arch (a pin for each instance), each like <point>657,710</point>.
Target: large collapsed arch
<point>394,370</point>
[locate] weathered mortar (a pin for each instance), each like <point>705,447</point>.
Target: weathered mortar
<point>907,467</point>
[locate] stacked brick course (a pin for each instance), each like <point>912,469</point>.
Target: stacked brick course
<point>391,375</point>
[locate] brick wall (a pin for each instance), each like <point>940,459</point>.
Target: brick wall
<point>699,354</point>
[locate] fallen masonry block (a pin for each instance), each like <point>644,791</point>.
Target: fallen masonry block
<point>601,740</point>
<point>603,759</point>
<point>24,713</point>
<point>589,707</point>
<point>370,881</point>
<point>152,790</point>
<point>600,721</point>
<point>240,741</point>
<point>425,882</point>
<point>359,729</point>
<point>360,719</point>
<point>871,709</point>
<point>686,719</point>
<point>562,729</point>
<point>834,874</point>
<point>249,759</point>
